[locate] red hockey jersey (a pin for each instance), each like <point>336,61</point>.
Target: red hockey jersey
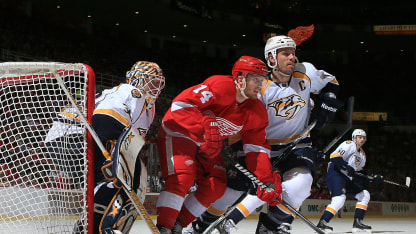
<point>216,97</point>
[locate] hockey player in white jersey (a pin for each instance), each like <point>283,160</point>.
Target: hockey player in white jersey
<point>344,161</point>
<point>128,104</point>
<point>286,96</point>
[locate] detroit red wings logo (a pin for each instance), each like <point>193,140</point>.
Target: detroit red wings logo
<point>288,107</point>
<point>301,33</point>
<point>227,128</point>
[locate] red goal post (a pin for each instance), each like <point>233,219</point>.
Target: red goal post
<point>46,161</point>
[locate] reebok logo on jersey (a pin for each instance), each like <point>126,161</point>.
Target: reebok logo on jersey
<point>288,107</point>
<point>332,109</point>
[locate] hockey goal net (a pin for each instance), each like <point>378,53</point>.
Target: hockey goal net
<point>46,162</point>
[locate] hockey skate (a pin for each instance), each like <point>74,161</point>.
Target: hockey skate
<point>193,229</point>
<point>284,228</point>
<point>163,230</point>
<point>323,225</point>
<point>358,226</point>
<point>225,226</point>
<point>177,228</point>
<point>268,225</point>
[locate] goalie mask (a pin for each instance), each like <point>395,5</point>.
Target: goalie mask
<point>246,65</point>
<point>148,78</point>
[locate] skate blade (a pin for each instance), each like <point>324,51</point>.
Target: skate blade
<point>357,230</point>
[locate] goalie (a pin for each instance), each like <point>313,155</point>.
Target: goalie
<point>130,104</point>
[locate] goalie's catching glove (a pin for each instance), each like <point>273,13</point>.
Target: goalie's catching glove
<point>273,193</point>
<point>325,110</point>
<point>212,144</point>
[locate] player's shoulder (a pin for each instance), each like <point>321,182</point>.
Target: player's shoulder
<point>348,144</point>
<point>221,85</point>
<point>305,68</point>
<point>129,90</point>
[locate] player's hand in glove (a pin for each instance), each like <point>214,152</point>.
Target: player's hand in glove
<point>325,110</point>
<point>375,178</point>
<point>273,193</point>
<point>347,170</point>
<point>212,144</point>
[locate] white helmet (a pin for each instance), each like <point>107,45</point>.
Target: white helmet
<point>358,132</point>
<point>275,43</point>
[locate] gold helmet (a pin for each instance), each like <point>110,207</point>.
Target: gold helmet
<point>147,77</point>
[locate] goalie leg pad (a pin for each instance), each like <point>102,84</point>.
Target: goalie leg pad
<point>108,202</point>
<point>124,157</point>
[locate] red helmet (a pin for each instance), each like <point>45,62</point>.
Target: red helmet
<point>248,64</point>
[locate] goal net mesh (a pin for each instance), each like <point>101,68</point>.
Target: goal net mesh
<point>43,147</point>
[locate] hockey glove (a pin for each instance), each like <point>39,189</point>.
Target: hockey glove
<point>273,193</point>
<point>375,178</point>
<point>347,170</point>
<point>212,144</point>
<point>325,110</point>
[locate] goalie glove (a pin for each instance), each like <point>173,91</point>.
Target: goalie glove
<point>272,194</point>
<point>212,144</point>
<point>325,110</point>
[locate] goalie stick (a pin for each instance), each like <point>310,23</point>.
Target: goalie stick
<point>131,194</point>
<point>406,185</point>
<point>254,179</point>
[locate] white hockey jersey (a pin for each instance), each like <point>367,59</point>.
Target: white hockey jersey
<point>289,107</point>
<point>117,102</point>
<point>67,122</point>
<point>126,104</point>
<point>348,151</point>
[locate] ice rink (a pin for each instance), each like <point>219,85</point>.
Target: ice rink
<point>340,225</point>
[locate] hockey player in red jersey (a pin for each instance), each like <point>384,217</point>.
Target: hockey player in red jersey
<point>190,141</point>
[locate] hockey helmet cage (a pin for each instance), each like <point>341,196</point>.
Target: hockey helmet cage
<point>278,42</point>
<point>248,64</point>
<point>147,77</point>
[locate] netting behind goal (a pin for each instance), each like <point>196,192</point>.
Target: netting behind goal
<point>46,151</point>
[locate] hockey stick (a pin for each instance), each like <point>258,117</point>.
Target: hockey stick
<point>131,194</point>
<point>292,145</point>
<point>223,216</point>
<point>346,129</point>
<point>254,179</point>
<point>406,185</point>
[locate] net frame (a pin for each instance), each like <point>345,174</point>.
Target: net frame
<point>22,74</point>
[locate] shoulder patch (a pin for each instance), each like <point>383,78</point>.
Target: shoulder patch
<point>348,142</point>
<point>136,93</point>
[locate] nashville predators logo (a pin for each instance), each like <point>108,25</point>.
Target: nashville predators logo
<point>136,93</point>
<point>357,160</point>
<point>288,107</point>
<point>142,131</point>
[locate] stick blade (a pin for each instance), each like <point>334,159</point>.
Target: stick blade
<point>408,182</point>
